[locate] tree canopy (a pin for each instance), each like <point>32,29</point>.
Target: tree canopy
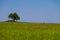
<point>14,16</point>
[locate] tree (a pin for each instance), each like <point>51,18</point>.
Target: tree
<point>14,16</point>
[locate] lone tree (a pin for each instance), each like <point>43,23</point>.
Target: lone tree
<point>14,16</point>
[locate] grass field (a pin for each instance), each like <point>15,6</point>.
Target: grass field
<point>29,31</point>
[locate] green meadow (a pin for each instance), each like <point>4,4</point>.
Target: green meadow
<point>29,31</point>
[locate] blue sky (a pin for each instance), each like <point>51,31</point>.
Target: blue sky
<point>31,10</point>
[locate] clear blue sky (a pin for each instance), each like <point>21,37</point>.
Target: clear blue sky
<point>31,10</point>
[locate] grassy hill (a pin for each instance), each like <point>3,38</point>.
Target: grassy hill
<point>29,31</point>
